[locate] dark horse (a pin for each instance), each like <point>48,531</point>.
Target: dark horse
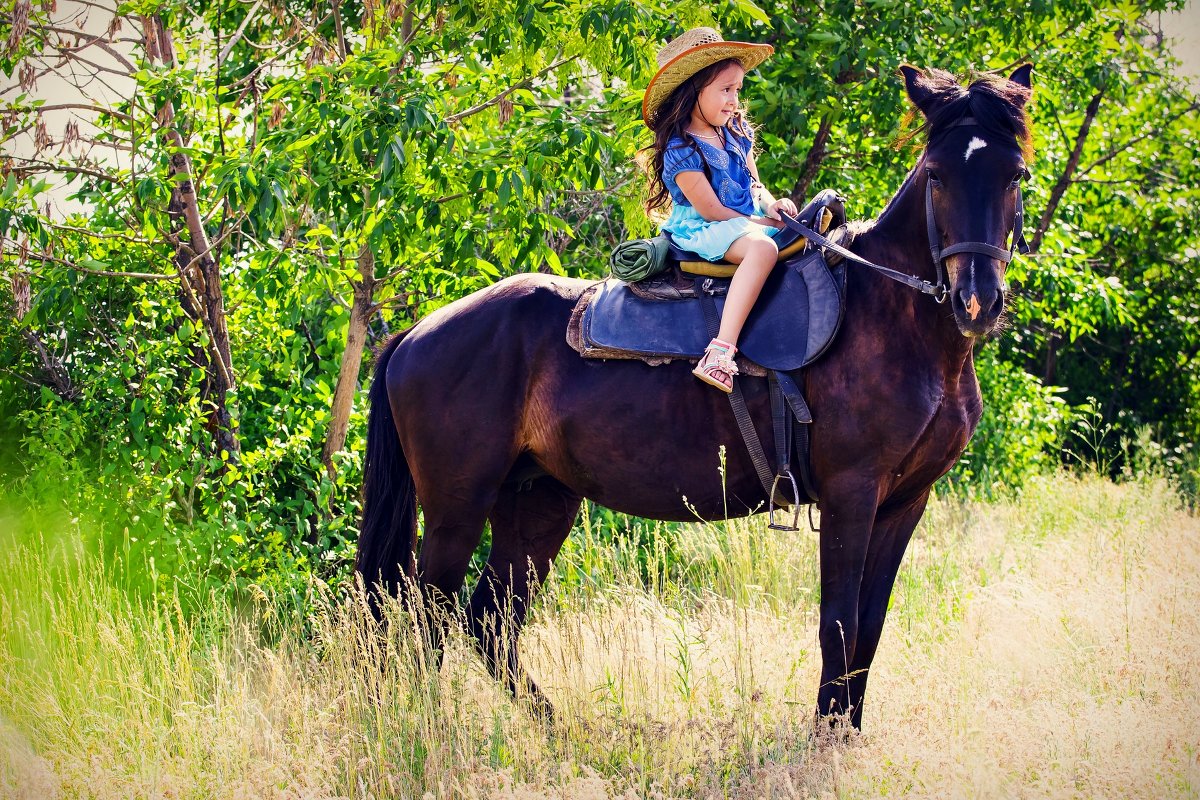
<point>482,412</point>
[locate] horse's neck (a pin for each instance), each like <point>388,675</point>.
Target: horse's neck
<point>898,239</point>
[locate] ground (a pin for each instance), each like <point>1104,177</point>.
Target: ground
<point>1042,646</point>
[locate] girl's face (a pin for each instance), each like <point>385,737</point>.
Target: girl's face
<point>719,99</point>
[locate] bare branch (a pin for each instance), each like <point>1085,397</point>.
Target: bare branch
<point>94,142</point>
<point>1108,181</point>
<point>145,276</point>
<point>238,34</point>
<point>16,87</point>
<point>522,85</point>
<point>38,167</point>
<point>83,107</point>
<point>812,162</point>
<point>95,235</point>
<point>1137,139</point>
<point>387,301</point>
<point>20,377</point>
<point>97,41</point>
<point>280,53</point>
<point>343,48</point>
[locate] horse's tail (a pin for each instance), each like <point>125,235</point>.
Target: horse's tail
<point>389,525</point>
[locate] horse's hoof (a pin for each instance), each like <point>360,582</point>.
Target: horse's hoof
<point>540,708</point>
<point>832,729</point>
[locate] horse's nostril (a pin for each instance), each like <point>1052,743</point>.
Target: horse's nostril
<point>969,303</point>
<point>997,305</point>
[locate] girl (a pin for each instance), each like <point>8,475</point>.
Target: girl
<point>702,161</point>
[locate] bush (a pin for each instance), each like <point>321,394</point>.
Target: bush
<point>1021,433</point>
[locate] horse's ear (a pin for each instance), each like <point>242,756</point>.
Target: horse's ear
<point>1021,77</point>
<point>914,84</point>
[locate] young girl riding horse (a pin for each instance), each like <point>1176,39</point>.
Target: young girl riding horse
<point>702,162</point>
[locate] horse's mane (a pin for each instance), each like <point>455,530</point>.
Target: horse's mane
<point>996,103</point>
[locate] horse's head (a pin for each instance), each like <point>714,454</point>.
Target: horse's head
<point>971,170</point>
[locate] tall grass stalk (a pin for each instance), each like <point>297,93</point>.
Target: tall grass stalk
<point>1045,646</point>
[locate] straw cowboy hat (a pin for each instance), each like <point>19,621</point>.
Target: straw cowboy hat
<point>689,53</point>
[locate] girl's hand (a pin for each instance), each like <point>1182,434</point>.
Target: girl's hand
<point>785,205</point>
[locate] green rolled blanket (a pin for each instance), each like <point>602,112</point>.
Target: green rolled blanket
<point>639,259</point>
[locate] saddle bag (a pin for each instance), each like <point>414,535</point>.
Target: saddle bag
<point>639,259</point>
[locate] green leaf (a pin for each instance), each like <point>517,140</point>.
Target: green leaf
<point>300,144</point>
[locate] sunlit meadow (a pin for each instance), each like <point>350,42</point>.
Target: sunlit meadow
<point>1045,646</point>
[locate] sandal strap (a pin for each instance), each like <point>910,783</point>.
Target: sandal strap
<point>721,358</point>
<point>726,364</point>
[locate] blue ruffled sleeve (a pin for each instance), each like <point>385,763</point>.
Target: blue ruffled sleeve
<point>679,158</point>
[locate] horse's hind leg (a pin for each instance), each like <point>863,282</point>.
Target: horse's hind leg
<point>453,526</point>
<point>529,526</point>
<point>450,538</point>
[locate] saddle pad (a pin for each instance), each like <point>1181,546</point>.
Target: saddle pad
<point>793,322</point>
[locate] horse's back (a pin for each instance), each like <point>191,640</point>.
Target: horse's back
<point>520,303</point>
<point>504,315</point>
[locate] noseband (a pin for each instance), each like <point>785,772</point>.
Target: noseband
<point>983,248</point>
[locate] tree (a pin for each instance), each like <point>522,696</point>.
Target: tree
<point>274,186</point>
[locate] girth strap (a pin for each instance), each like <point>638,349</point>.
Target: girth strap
<point>781,424</point>
<point>803,417</point>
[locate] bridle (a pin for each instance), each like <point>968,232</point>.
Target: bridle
<point>940,290</point>
<point>983,248</point>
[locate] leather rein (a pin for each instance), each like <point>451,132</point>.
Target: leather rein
<point>940,291</point>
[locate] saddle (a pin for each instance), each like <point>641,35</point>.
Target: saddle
<point>661,318</point>
<point>674,314</point>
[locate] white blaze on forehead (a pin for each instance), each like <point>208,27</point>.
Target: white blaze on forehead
<point>975,144</point>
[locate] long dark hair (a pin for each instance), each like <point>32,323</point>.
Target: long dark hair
<point>671,121</point>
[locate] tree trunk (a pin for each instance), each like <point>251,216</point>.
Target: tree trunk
<point>54,371</point>
<point>812,163</point>
<point>199,272</point>
<point>356,337</point>
<point>1056,195</point>
<point>1051,368</point>
<point>1068,173</point>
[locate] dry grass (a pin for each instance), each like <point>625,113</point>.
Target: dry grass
<point>1043,648</point>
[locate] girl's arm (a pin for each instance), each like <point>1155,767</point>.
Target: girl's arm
<point>765,199</point>
<point>700,194</point>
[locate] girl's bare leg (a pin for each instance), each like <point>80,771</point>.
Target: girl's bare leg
<point>755,254</point>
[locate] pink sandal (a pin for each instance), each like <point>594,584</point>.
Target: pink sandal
<point>716,366</point>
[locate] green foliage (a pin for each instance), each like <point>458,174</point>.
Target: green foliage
<point>1022,431</point>
<point>463,143</point>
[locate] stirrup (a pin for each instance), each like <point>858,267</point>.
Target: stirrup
<point>721,360</point>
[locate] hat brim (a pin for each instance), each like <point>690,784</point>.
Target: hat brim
<point>673,74</point>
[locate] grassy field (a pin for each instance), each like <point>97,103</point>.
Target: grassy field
<point>1042,647</point>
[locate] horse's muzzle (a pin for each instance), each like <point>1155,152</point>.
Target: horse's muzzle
<point>977,310</point>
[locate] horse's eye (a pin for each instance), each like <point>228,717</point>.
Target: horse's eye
<point>1023,175</point>
<point>933,177</point>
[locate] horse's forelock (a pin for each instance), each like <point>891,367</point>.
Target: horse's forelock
<point>998,105</point>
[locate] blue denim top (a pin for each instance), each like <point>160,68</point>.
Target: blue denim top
<point>727,170</point>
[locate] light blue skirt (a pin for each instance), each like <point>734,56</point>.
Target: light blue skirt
<point>709,240</point>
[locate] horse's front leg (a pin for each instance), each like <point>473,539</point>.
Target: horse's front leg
<point>894,525</point>
<point>847,516</point>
